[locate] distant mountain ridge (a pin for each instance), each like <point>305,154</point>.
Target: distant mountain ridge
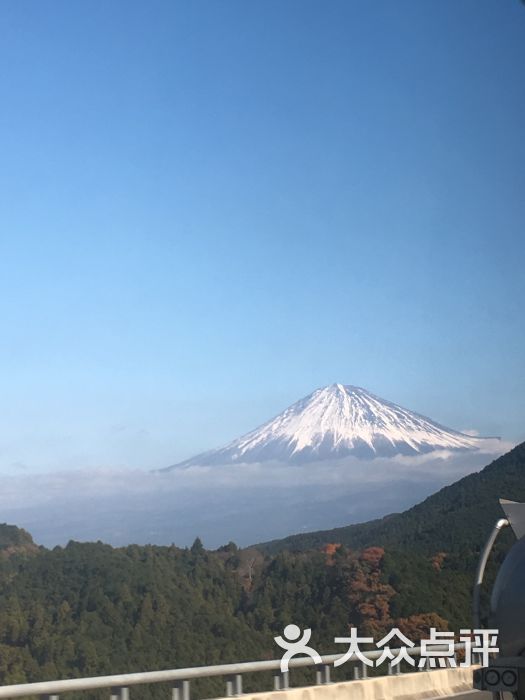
<point>334,422</point>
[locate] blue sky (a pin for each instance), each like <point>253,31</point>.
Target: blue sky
<point>209,209</point>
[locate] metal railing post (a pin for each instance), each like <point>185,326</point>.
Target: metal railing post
<point>119,694</point>
<point>238,684</point>
<point>322,674</point>
<point>326,673</point>
<point>281,681</point>
<point>234,685</point>
<point>181,691</point>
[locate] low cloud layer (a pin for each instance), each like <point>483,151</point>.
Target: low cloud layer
<point>244,503</point>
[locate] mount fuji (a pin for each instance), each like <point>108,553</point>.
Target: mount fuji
<point>334,458</point>
<point>334,422</point>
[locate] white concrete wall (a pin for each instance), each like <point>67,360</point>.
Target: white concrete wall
<point>407,686</point>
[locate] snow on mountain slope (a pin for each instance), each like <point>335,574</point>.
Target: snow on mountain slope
<point>338,421</point>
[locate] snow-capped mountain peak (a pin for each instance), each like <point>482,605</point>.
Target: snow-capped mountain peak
<point>337,421</point>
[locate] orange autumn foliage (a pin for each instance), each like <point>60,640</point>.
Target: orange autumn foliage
<point>369,595</point>
<point>331,548</point>
<point>437,560</point>
<point>417,627</point>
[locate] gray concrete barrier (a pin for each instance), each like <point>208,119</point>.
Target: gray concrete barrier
<point>407,686</point>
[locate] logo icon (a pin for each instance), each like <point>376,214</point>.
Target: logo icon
<point>295,646</point>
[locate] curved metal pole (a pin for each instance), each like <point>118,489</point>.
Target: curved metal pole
<point>503,522</point>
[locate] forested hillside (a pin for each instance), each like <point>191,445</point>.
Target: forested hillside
<point>90,609</point>
<point>431,550</point>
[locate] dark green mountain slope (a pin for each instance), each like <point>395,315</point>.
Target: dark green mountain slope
<point>12,536</point>
<point>432,549</point>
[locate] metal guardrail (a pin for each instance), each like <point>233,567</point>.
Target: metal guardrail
<point>180,678</point>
